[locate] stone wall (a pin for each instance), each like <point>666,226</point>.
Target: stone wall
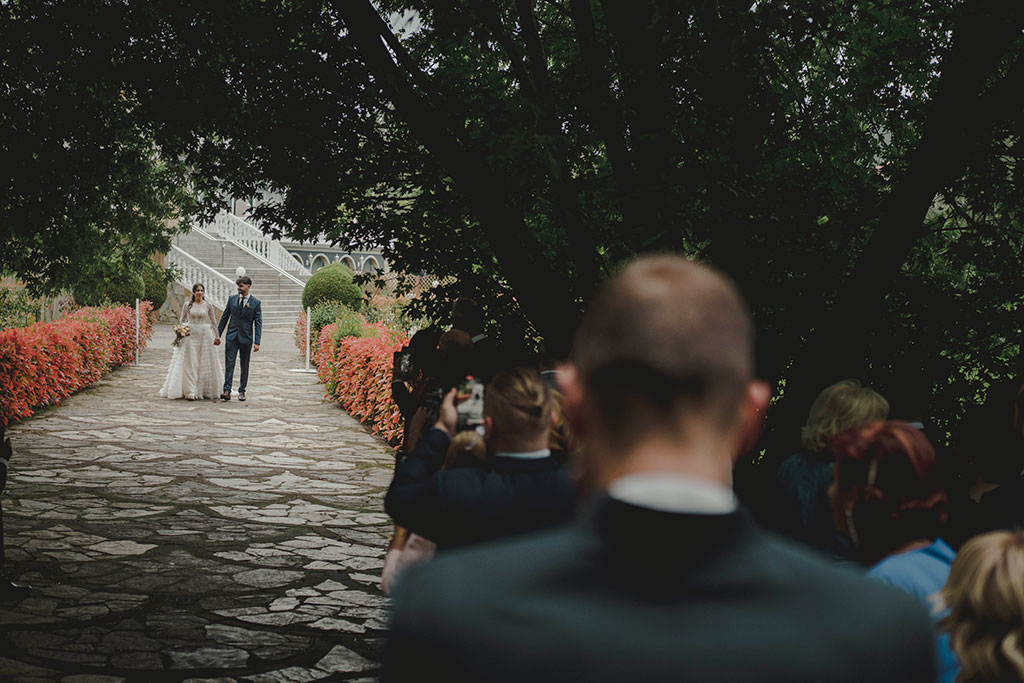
<point>177,296</point>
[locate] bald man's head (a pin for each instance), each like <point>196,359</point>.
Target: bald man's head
<point>665,339</point>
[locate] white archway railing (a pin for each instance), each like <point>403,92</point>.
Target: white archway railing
<point>237,230</point>
<point>191,270</point>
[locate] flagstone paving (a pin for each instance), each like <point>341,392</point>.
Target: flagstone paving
<point>196,541</point>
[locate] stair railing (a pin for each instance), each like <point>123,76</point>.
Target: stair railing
<point>191,270</point>
<point>253,239</point>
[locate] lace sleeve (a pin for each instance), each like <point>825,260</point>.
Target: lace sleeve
<point>213,319</point>
<point>184,312</point>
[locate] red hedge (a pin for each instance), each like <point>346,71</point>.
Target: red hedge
<point>356,371</point>
<point>46,362</point>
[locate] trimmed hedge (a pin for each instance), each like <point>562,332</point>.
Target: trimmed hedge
<point>332,283</point>
<point>356,372</point>
<point>347,323</point>
<point>47,362</point>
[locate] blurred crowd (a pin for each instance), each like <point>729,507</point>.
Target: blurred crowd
<point>576,520</point>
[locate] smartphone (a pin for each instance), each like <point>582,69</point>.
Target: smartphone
<point>469,404</point>
<point>432,405</point>
<point>402,368</point>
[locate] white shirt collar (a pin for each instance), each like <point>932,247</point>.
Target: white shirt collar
<point>532,455</point>
<point>478,337</point>
<point>674,493</point>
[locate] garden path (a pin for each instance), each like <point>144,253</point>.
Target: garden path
<point>195,541</point>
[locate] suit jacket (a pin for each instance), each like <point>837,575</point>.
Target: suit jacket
<point>633,594</point>
<point>467,505</point>
<point>803,509</point>
<point>242,321</point>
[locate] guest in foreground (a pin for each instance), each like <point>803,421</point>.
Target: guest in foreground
<point>524,487</point>
<point>665,580</point>
<point>467,449</point>
<point>985,600</point>
<point>889,498</point>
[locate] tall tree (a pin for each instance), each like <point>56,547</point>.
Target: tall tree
<point>82,180</point>
<point>854,165</point>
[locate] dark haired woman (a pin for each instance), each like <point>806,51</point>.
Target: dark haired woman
<point>887,496</point>
<point>195,370</point>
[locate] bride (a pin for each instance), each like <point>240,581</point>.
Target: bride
<point>195,370</point>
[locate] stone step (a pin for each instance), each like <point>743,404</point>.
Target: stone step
<point>280,297</point>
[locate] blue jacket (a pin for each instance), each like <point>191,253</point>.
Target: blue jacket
<point>243,321</point>
<point>923,573</point>
<point>467,505</point>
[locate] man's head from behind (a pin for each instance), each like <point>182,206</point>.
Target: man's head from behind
<point>517,411</point>
<point>665,350</point>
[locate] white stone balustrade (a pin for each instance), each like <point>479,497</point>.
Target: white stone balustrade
<point>191,271</point>
<point>234,228</point>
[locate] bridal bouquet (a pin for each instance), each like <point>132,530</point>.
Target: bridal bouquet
<point>180,332</point>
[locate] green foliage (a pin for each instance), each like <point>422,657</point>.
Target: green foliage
<point>350,324</point>
<point>117,277</point>
<point>82,173</point>
<point>326,312</point>
<point>332,283</point>
<point>393,312</point>
<point>17,307</point>
<point>528,149</point>
<point>156,280</point>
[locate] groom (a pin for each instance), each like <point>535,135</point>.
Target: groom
<point>244,313</point>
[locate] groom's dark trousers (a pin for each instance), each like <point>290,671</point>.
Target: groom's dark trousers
<point>231,349</point>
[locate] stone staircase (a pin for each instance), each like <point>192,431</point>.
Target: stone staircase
<point>279,294</point>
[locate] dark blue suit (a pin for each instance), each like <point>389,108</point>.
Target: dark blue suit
<point>240,337</point>
<point>468,505</point>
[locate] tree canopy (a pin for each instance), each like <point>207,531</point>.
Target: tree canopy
<point>854,165</point>
<point>85,188</point>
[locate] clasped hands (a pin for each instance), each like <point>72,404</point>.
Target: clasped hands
<point>255,347</point>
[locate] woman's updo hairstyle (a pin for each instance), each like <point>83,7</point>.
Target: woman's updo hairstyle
<point>899,496</point>
<point>519,401</point>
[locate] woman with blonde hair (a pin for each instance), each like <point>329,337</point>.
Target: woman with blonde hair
<point>802,507</point>
<point>985,599</point>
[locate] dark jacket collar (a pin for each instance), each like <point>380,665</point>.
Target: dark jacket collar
<point>673,538</point>
<point>552,462</point>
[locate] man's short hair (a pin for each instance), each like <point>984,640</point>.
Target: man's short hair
<point>661,340</point>
<point>244,280</point>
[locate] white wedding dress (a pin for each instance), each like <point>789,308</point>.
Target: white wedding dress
<point>195,366</point>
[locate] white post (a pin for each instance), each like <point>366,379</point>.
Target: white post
<point>307,337</point>
<point>136,331</point>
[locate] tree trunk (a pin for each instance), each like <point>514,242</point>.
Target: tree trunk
<point>957,119</point>
<point>541,290</point>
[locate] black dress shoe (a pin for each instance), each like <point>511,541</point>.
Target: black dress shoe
<point>225,397</point>
<point>241,395</point>
<point>13,591</point>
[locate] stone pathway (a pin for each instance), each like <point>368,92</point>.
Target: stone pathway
<point>196,541</point>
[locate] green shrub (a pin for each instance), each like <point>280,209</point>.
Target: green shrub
<point>115,289</point>
<point>327,312</point>
<point>332,283</point>
<point>156,280</point>
<point>17,308</point>
<point>350,324</point>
